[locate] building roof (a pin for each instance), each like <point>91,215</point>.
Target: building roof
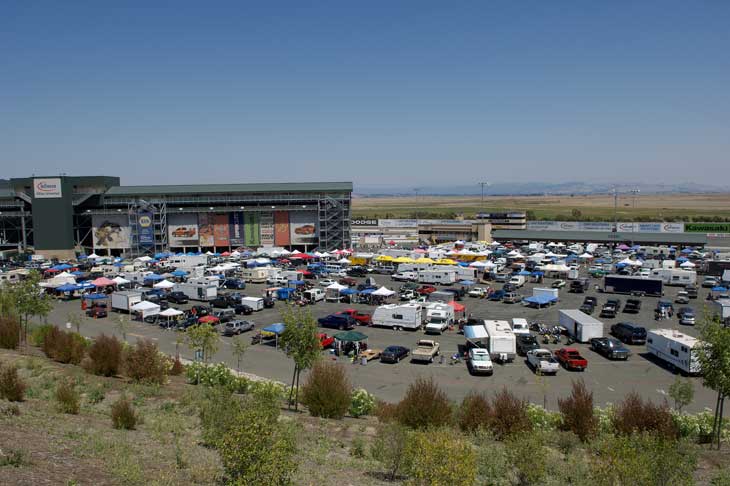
<point>155,190</point>
<point>602,236</point>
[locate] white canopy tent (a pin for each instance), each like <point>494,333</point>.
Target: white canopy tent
<point>332,292</point>
<point>687,264</point>
<point>383,292</point>
<point>120,281</point>
<point>164,284</point>
<point>146,308</point>
<point>171,312</point>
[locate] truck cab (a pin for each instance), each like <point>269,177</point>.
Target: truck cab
<point>479,362</point>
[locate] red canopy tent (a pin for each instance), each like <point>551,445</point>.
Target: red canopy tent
<point>458,308</point>
<point>102,282</point>
<point>209,320</point>
<point>226,254</point>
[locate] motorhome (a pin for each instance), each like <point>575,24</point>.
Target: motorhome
<point>399,316</point>
<point>439,317</point>
<point>198,288</point>
<point>437,276</point>
<point>675,276</point>
<point>502,340</point>
<point>462,273</point>
<point>675,348</point>
<point>136,277</point>
<point>254,275</point>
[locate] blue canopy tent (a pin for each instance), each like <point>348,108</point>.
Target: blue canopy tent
<point>284,293</point>
<point>68,288</point>
<point>524,273</point>
<point>363,292</point>
<point>179,273</point>
<point>297,282</point>
<point>540,300</point>
<point>349,292</point>
<point>467,283</point>
<point>538,273</point>
<point>154,277</point>
<point>85,285</point>
<point>687,250</point>
<point>276,329</point>
<point>94,296</point>
<point>718,288</point>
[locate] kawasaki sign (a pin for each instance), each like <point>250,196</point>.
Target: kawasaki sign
<point>707,227</point>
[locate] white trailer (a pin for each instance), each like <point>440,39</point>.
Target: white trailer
<point>720,309</point>
<point>256,303</point>
<point>580,325</point>
<point>199,288</point>
<point>398,316</point>
<point>414,267</point>
<point>188,262</point>
<point>540,291</point>
<point>439,317</point>
<point>502,341</point>
<point>437,276</point>
<point>136,277</point>
<point>462,273</point>
<point>675,348</point>
<point>254,275</point>
<point>675,276</point>
<point>124,300</point>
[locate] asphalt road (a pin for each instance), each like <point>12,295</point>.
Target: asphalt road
<point>609,380</point>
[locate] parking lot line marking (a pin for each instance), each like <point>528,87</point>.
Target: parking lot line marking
<point>610,389</point>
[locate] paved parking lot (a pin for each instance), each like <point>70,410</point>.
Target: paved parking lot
<point>609,380</point>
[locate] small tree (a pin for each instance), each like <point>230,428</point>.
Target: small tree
<point>714,358</point>
<point>327,392</point>
<point>301,344</point>
<point>577,412</point>
<point>440,457</point>
<point>424,405</point>
<point>682,392</point>
<point>30,301</point>
<point>202,337</point>
<point>388,448</point>
<point>239,349</point>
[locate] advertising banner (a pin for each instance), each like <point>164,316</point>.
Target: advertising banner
<point>145,229</point>
<point>542,225</point>
<point>267,228</point>
<point>303,227</point>
<point>110,232</point>
<point>672,227</point>
<point>49,188</point>
<point>205,229</point>
<point>182,229</point>
<point>235,225</point>
<point>605,226</point>
<point>281,228</point>
<point>364,222</point>
<point>707,227</point>
<point>596,226</point>
<point>398,223</point>
<point>220,231</point>
<point>251,232</point>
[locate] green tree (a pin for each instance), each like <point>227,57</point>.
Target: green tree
<point>8,303</point>
<point>202,337</point>
<point>682,392</point>
<point>440,457</point>
<point>239,349</point>
<point>30,301</point>
<point>301,344</point>
<point>576,214</point>
<point>714,358</point>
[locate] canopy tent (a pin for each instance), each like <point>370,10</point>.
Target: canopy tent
<point>384,258</point>
<point>475,333</point>
<point>467,283</point>
<point>68,288</point>
<point>350,336</point>
<point>145,305</point>
<point>403,259</point>
<point>336,286</point>
<point>344,261</point>
<point>348,292</point>
<point>103,282</point>
<point>94,297</point>
<point>478,264</point>
<point>179,273</point>
<point>524,273</point>
<point>540,300</point>
<point>212,320</point>
<point>153,277</point>
<point>170,312</point>
<point>456,306</point>
<point>384,292</point>
<point>585,256</point>
<point>165,284</point>
<point>144,259</point>
<point>425,260</point>
<point>446,261</point>
<point>120,280</point>
<point>58,281</point>
<point>687,264</point>
<point>276,329</point>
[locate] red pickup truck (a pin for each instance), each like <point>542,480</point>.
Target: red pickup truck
<point>362,318</point>
<point>571,359</point>
<point>426,289</point>
<point>326,341</point>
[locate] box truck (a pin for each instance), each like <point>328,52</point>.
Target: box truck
<point>502,343</point>
<point>675,348</point>
<point>625,284</point>
<point>399,316</point>
<point>580,325</point>
<point>256,303</point>
<point>124,300</point>
<point>720,309</point>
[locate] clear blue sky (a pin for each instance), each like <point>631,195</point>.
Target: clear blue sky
<point>375,92</point>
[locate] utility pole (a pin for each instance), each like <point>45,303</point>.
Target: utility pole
<point>635,192</point>
<point>482,184</point>
<point>615,210</point>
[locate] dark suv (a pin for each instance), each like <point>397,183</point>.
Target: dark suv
<point>525,343</point>
<point>337,321</point>
<point>177,298</point>
<point>629,333</point>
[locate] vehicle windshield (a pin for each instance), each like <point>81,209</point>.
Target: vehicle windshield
<point>437,320</point>
<point>480,357</point>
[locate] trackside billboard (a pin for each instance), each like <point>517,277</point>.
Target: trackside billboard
<point>623,227</point>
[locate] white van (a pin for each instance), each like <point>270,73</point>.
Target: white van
<point>398,316</point>
<point>518,280</point>
<point>314,295</point>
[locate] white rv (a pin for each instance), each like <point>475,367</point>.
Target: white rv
<point>675,276</point>
<point>462,273</point>
<point>437,276</point>
<point>677,349</point>
<point>502,341</point>
<point>199,288</point>
<point>439,317</point>
<point>254,275</point>
<point>398,316</point>
<point>255,303</point>
<point>188,262</point>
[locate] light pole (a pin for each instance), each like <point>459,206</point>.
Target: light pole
<point>635,193</point>
<point>615,210</point>
<point>482,184</point>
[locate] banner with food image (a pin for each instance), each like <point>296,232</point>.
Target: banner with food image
<point>182,229</point>
<point>303,227</point>
<point>110,231</point>
<point>220,231</point>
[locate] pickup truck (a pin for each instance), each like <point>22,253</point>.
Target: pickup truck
<point>571,359</point>
<point>478,292</point>
<point>479,362</point>
<point>337,321</point>
<point>542,362</point>
<point>610,308</point>
<point>426,350</point>
<point>632,306</point>
<point>362,318</point>
<point>426,289</point>
<point>408,295</point>
<point>525,344</point>
<point>589,305</point>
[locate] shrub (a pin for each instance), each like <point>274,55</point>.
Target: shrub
<point>493,466</point>
<point>211,375</point>
<point>440,457</point>
<point>698,427</point>
<point>389,447</point>
<point>424,405</point>
<point>362,403</point>
<point>105,356</point>
<point>541,419</point>
<point>64,347</point>
<point>386,412</point>
<point>123,414</point>
<point>474,412</point>
<point>217,411</point>
<point>257,448</point>
<point>508,415</point>
<point>95,395</point>
<point>635,415</point>
<point>68,398</point>
<point>9,333</point>
<point>177,367</point>
<point>12,388</point>
<point>577,412</point>
<point>327,392</point>
<point>38,334</point>
<point>144,363</point>
<point>528,456</point>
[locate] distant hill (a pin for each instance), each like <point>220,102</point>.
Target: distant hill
<point>533,188</point>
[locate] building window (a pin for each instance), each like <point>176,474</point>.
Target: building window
<point>674,352</point>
